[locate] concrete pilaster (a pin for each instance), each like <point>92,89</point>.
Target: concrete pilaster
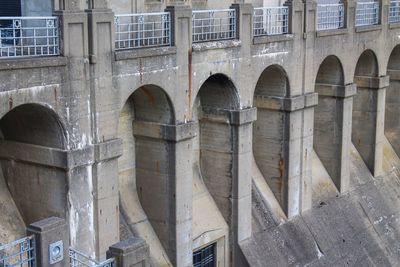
<point>332,132</point>
<point>368,120</point>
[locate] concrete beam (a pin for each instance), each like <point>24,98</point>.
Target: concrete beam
<point>372,82</point>
<point>288,104</point>
<point>339,91</point>
<point>174,133</point>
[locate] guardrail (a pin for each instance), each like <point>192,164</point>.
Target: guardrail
<point>20,253</point>
<point>142,30</point>
<point>79,259</point>
<point>28,36</point>
<point>367,13</point>
<point>270,21</point>
<point>213,25</point>
<point>330,16</point>
<point>394,12</point>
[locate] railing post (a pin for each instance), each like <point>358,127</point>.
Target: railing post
<point>130,252</point>
<point>52,242</point>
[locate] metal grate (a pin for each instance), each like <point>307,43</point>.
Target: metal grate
<point>28,36</point>
<point>143,30</point>
<point>270,21</point>
<point>394,11</point>
<point>214,25</point>
<point>367,13</point>
<point>205,257</point>
<point>330,16</point>
<point>20,253</point>
<point>79,259</point>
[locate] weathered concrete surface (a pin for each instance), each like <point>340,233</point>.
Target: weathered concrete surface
<point>359,228</point>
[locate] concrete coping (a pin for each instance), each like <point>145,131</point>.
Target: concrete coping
<point>334,32</point>
<point>288,104</point>
<point>46,225</point>
<point>232,117</point>
<point>273,39</point>
<point>337,91</point>
<point>32,62</point>
<point>108,150</point>
<point>198,47</point>
<point>174,133</point>
<point>368,28</point>
<point>372,82</point>
<point>394,25</point>
<point>127,246</point>
<point>135,53</point>
<point>394,75</point>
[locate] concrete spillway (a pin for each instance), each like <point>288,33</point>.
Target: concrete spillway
<point>358,228</point>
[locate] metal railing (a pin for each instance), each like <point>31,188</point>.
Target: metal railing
<point>367,13</point>
<point>142,30</point>
<point>20,253</point>
<point>213,25</point>
<point>79,259</point>
<point>330,16</point>
<point>394,11</point>
<point>270,21</point>
<point>28,36</point>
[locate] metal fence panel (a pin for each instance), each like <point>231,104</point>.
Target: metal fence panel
<point>20,253</point>
<point>79,259</point>
<point>214,25</point>
<point>394,11</point>
<point>330,16</point>
<point>270,21</point>
<point>142,30</point>
<point>29,36</point>
<point>367,13</point>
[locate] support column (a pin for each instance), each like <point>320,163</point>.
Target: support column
<point>332,131</point>
<point>368,120</point>
<point>164,181</point>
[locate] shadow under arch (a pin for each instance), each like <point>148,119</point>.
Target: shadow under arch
<point>33,190</point>
<point>145,175</point>
<point>271,131</point>
<point>366,132</point>
<point>392,102</point>
<point>329,123</point>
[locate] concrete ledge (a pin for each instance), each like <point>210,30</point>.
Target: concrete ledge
<point>372,82</point>
<point>394,75</point>
<point>216,45</point>
<point>310,100</point>
<point>394,25</point>
<point>47,156</point>
<point>273,38</point>
<point>33,62</point>
<point>231,117</point>
<point>244,116</point>
<point>110,149</point>
<point>144,52</point>
<point>368,28</point>
<point>332,32</point>
<point>174,133</point>
<point>338,91</point>
<point>280,103</point>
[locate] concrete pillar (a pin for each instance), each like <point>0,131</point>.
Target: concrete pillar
<point>51,234</point>
<point>169,149</point>
<point>392,110</point>
<point>295,184</point>
<point>332,132</point>
<point>132,252</point>
<point>244,29</point>
<point>368,120</point>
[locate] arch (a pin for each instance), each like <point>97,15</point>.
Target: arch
<point>328,130</point>
<point>38,191</point>
<point>218,91</point>
<point>271,131</point>
<point>367,65</point>
<point>34,124</point>
<point>273,81</point>
<point>145,174</point>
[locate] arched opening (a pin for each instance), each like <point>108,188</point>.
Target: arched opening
<point>329,124</point>
<point>366,112</point>
<point>144,171</point>
<point>212,164</point>
<point>392,105</point>
<point>270,131</point>
<point>30,189</point>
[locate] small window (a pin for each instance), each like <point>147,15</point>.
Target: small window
<point>205,257</point>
